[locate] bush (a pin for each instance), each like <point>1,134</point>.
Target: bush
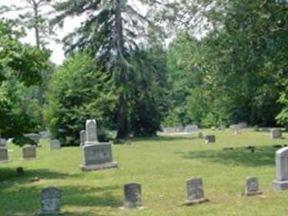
<point>78,91</point>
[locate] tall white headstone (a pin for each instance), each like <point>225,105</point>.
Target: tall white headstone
<point>91,132</point>
<point>281,181</point>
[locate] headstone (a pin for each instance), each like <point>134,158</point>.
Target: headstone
<point>82,137</point>
<point>91,132</point>
<point>276,133</point>
<point>132,195</point>
<point>29,152</point>
<point>19,171</point>
<point>50,200</point>
<point>210,139</point>
<point>55,144</point>
<point>33,136</point>
<point>195,192</point>
<point>191,128</point>
<point>281,181</point>
<point>96,155</point>
<point>3,154</point>
<point>45,134</point>
<point>252,187</point>
<point>3,142</point>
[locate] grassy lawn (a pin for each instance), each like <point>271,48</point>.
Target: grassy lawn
<point>162,165</point>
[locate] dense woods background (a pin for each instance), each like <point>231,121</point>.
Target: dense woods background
<point>226,62</point>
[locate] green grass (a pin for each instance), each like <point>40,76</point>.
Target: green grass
<point>162,166</point>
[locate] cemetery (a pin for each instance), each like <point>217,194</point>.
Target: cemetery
<point>167,175</point>
<point>143,108</point>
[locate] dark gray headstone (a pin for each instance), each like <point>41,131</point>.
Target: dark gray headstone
<point>252,187</point>
<point>210,139</point>
<point>19,171</point>
<point>276,133</point>
<point>3,154</point>
<point>195,192</point>
<point>29,152</point>
<point>50,200</point>
<point>132,195</point>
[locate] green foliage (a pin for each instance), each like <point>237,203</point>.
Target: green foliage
<point>20,67</point>
<point>241,62</point>
<point>78,91</point>
<point>149,98</point>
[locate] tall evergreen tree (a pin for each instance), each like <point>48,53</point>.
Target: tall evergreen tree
<point>109,33</point>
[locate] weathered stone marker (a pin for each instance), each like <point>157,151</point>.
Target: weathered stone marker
<point>50,201</point>
<point>276,133</point>
<point>209,139</point>
<point>3,142</point>
<point>3,154</point>
<point>19,171</point>
<point>252,187</point>
<point>96,155</point>
<point>55,144</point>
<point>132,195</point>
<point>82,137</point>
<point>281,181</point>
<point>29,152</point>
<point>33,136</point>
<point>195,192</point>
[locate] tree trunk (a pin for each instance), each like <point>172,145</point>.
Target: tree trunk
<point>38,44</point>
<point>122,112</point>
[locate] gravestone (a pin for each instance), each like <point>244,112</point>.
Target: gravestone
<point>96,155</point>
<point>3,154</point>
<point>252,187</point>
<point>132,195</point>
<point>19,171</point>
<point>29,152</point>
<point>195,192</point>
<point>3,142</point>
<point>55,144</point>
<point>281,159</point>
<point>276,133</point>
<point>50,201</point>
<point>82,137</point>
<point>33,136</point>
<point>209,139</point>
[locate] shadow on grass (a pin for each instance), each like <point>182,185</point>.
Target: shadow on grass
<point>263,156</point>
<point>7,174</point>
<point>26,200</point>
<point>164,138</point>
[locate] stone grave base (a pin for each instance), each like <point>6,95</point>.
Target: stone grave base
<point>4,161</point>
<point>252,193</point>
<point>198,201</point>
<point>110,165</point>
<point>280,185</point>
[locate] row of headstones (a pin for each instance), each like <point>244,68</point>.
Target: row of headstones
<point>51,196</point>
<point>275,134</point>
<point>180,129</point>
<point>28,151</point>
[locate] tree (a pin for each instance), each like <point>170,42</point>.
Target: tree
<point>109,34</point>
<point>20,67</point>
<point>78,91</point>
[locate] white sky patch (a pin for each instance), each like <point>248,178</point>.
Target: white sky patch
<point>57,48</point>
